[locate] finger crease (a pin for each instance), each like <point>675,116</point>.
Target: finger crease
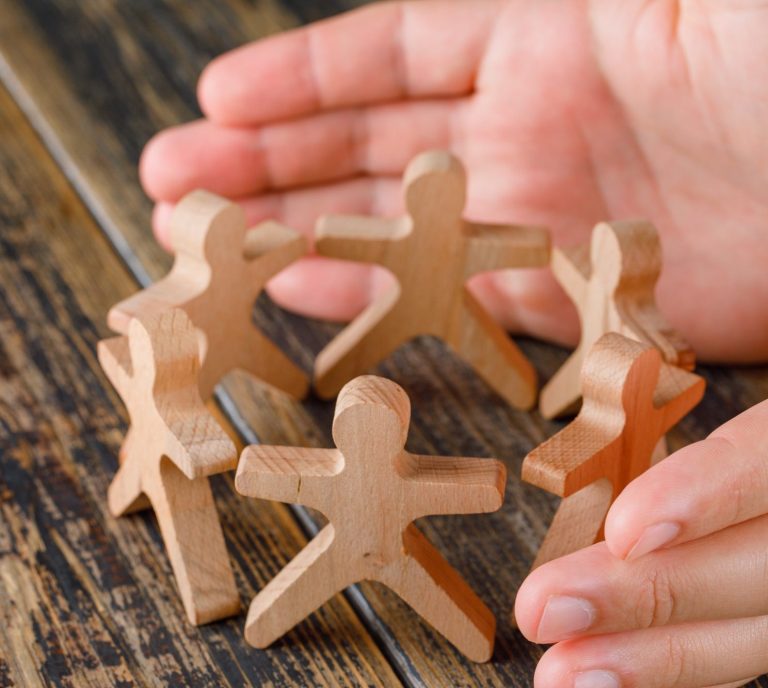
<point>399,57</point>
<point>359,138</point>
<point>312,68</point>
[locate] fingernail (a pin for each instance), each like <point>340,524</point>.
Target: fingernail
<point>596,679</point>
<point>654,537</point>
<point>563,617</point>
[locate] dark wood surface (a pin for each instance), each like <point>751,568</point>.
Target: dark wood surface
<point>88,600</point>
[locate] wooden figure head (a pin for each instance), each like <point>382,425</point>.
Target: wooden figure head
<point>208,228</point>
<point>371,419</point>
<point>435,180</point>
<point>627,256</point>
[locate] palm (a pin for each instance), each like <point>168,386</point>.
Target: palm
<point>561,119</point>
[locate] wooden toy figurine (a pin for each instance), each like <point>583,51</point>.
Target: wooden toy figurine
<point>631,399</point>
<point>174,444</point>
<point>371,490</point>
<point>611,281</point>
<point>432,252</point>
<point>219,271</point>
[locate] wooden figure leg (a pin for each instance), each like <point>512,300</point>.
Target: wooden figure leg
<point>251,351</point>
<point>273,366</point>
<point>125,447</point>
<point>479,340</point>
<point>189,523</point>
<point>562,393</point>
<point>578,522</point>
<point>364,343</point>
<point>126,494</point>
<point>309,580</point>
<point>435,590</point>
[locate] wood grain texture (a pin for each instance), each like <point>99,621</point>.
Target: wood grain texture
<point>172,447</point>
<point>86,599</point>
<point>432,251</point>
<point>372,490</point>
<point>631,400</point>
<point>70,80</point>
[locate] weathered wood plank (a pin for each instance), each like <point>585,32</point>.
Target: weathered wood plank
<point>123,102</point>
<point>86,599</point>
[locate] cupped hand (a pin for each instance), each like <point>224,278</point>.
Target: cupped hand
<point>565,113</point>
<point>677,595</point>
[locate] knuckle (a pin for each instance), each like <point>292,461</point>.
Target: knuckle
<point>657,602</point>
<point>678,662</point>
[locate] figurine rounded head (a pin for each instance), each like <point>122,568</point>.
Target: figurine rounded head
<point>628,254</point>
<point>205,226</point>
<point>619,373</point>
<point>371,419</point>
<point>435,179</point>
<point>165,349</point>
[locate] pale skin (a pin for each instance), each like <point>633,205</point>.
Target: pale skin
<point>565,113</point>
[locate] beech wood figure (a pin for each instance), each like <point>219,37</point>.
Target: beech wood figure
<point>612,281</point>
<point>219,270</point>
<point>371,489</point>
<point>631,399</point>
<point>174,445</point>
<point>432,252</point>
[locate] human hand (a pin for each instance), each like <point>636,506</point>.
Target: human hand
<point>677,595</point>
<point>564,113</point>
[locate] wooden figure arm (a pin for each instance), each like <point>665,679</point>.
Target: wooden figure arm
<point>115,359</point>
<point>294,475</point>
<point>494,247</point>
<point>571,267</point>
<point>575,457</point>
<point>448,485</point>
<point>677,392</point>
<point>199,447</point>
<point>644,321</point>
<point>362,239</point>
<point>273,247</point>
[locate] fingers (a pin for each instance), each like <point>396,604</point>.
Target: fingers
<point>686,656</point>
<point>328,289</point>
<point>387,52</point>
<point>591,592</point>
<point>330,146</point>
<point>700,489</point>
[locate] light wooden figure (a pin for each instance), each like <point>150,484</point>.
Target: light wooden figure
<point>631,399</point>
<point>175,444</point>
<point>219,270</point>
<point>432,251</point>
<point>611,280</point>
<point>371,489</point>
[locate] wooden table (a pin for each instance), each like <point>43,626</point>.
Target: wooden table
<point>89,600</point>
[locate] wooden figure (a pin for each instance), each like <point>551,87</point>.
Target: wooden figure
<point>174,445</point>
<point>611,281</point>
<point>371,489</point>
<point>631,399</point>
<point>432,252</point>
<point>219,270</point>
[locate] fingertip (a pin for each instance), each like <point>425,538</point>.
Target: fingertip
<point>152,164</point>
<point>211,89</point>
<point>665,495</point>
<point>554,668</point>
<point>161,224</point>
<point>250,85</point>
<point>529,605</point>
